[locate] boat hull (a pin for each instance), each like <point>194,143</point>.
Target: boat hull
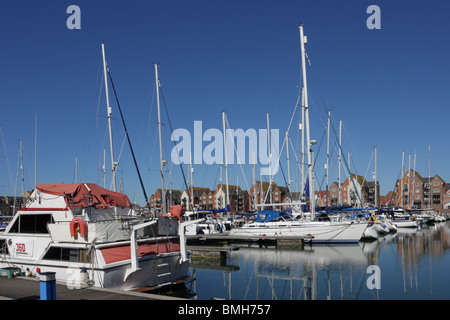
<point>316,232</point>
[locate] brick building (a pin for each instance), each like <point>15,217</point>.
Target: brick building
<point>259,191</point>
<point>173,197</point>
<point>413,191</point>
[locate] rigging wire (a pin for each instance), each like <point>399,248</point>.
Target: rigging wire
<point>332,126</point>
<point>129,141</point>
<point>176,148</point>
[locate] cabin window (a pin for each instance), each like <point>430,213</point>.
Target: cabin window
<point>31,223</point>
<point>67,254</point>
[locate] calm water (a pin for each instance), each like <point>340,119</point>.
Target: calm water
<point>413,264</point>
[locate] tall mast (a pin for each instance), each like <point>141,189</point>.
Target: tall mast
<point>328,154</point>
<point>161,161</point>
<point>414,181</point>
<point>303,141</point>
<point>269,189</point>
<point>254,180</point>
<point>109,112</point>
<point>429,178</point>
<point>308,139</point>
<point>339,159</point>
<point>403,173</point>
<point>375,175</point>
<point>21,168</point>
<point>409,181</point>
<point>287,159</point>
<point>191,173</point>
<point>104,168</point>
<point>35,149</point>
<point>227,202</point>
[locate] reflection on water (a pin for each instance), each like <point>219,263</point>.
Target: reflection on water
<point>413,264</point>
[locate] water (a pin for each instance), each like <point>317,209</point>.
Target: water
<point>413,264</point>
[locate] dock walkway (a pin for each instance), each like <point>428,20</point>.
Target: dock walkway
<point>26,288</point>
<point>229,239</point>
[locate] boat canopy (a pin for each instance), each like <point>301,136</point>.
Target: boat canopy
<point>82,195</point>
<point>269,215</point>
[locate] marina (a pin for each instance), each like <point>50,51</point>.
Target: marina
<point>215,176</point>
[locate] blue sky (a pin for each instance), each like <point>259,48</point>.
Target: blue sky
<point>390,87</point>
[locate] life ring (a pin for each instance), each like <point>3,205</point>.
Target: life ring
<point>78,226</point>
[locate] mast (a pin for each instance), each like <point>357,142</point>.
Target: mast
<point>308,138</point>
<point>269,189</point>
<point>339,159</point>
<point>409,181</point>
<point>429,177</point>
<point>303,141</point>
<point>191,174</point>
<point>254,180</point>
<point>403,173</point>
<point>227,202</point>
<point>414,181</point>
<point>109,112</point>
<point>376,189</point>
<point>35,149</point>
<point>287,159</point>
<point>328,155</point>
<point>161,161</point>
<point>21,168</point>
<point>104,168</point>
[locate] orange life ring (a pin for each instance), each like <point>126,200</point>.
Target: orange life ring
<point>78,226</point>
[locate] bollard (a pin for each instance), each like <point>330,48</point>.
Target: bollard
<point>47,285</point>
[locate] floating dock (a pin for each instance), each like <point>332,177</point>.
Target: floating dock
<point>210,252</point>
<point>226,239</point>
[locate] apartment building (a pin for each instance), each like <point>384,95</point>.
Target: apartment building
<point>173,197</point>
<point>416,192</point>
<point>260,194</point>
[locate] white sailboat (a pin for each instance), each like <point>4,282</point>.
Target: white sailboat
<point>279,224</point>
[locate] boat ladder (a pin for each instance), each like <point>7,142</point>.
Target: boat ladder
<point>163,270</point>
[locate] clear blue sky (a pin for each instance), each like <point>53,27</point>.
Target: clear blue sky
<point>390,87</point>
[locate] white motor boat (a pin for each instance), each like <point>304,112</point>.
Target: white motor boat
<point>88,235</point>
<point>402,219</point>
<point>208,225</point>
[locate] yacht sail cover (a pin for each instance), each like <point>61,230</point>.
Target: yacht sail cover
<point>82,195</point>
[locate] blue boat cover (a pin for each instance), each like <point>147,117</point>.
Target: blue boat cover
<point>269,215</point>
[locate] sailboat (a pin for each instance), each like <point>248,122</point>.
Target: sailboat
<point>280,224</point>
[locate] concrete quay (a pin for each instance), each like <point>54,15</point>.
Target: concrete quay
<point>27,288</point>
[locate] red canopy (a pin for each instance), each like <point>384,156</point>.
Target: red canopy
<point>79,194</point>
<point>177,211</point>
